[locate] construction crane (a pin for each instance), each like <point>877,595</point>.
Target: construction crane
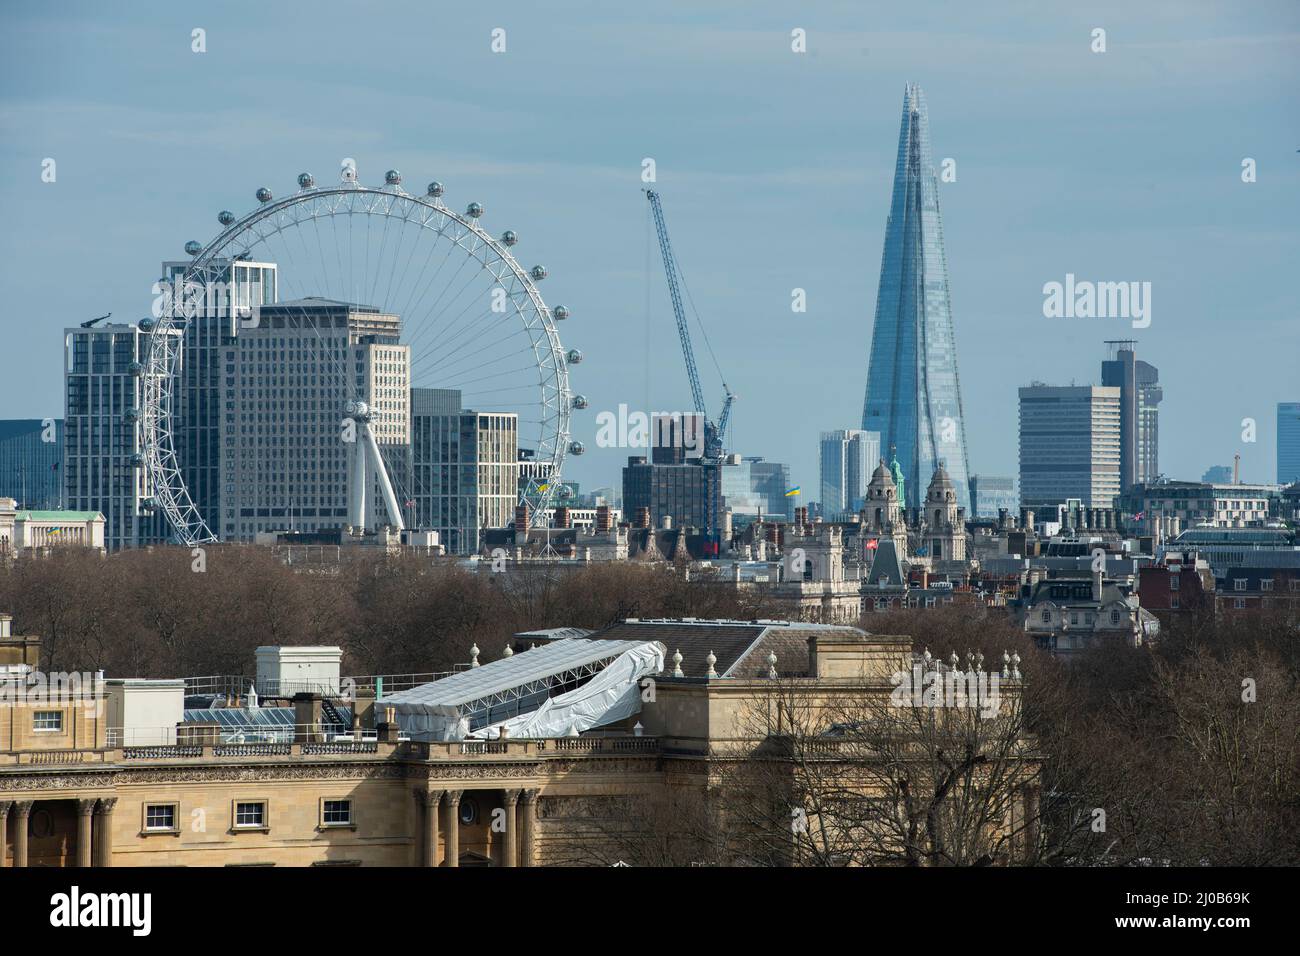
<point>714,435</point>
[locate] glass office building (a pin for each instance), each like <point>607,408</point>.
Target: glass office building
<point>913,395</point>
<point>1288,442</point>
<point>31,454</point>
<point>846,459</point>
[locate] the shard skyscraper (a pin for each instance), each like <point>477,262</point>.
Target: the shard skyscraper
<point>913,392</point>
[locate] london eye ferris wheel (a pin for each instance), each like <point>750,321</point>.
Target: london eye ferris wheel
<point>472,318</point>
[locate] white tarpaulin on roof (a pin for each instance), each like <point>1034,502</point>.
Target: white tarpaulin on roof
<point>610,696</point>
<point>515,687</point>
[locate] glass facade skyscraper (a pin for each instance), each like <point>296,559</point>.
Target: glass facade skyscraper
<point>846,459</point>
<point>31,454</point>
<point>913,393</point>
<point>1288,442</point>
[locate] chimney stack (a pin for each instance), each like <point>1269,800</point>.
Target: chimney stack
<point>602,518</point>
<point>642,518</point>
<point>562,517</point>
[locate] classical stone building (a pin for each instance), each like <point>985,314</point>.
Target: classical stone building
<point>258,782</point>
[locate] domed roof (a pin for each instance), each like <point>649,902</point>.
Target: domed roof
<point>882,471</point>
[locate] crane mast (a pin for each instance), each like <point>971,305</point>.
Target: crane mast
<point>713,434</point>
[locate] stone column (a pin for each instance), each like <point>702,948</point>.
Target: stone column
<point>528,829</point>
<point>85,808</point>
<point>452,803</point>
<point>4,829</point>
<point>510,849</point>
<point>432,807</point>
<point>104,826</point>
<point>22,819</point>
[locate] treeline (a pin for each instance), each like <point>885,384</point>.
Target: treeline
<point>1183,753</point>
<point>149,613</point>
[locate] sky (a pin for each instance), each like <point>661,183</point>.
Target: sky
<point>775,168</point>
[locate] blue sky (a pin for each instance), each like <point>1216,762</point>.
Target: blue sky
<point>775,169</point>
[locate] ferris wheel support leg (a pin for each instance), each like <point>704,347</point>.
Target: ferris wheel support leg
<point>357,487</point>
<point>385,485</point>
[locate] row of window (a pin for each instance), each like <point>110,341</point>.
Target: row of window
<point>244,815</point>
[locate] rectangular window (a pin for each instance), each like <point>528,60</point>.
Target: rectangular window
<point>160,817</point>
<point>47,721</point>
<point>1239,584</point>
<point>336,813</point>
<point>1266,585</point>
<point>1173,582</point>
<point>250,815</point>
<point>1239,603</point>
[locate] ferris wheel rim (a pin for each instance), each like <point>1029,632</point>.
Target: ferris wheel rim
<point>168,486</point>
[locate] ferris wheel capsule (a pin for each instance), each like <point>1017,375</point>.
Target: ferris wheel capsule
<point>393,177</point>
<point>576,448</point>
<point>146,324</point>
<point>579,401</point>
<point>560,313</point>
<point>306,180</point>
<point>436,189</point>
<point>193,247</point>
<point>263,195</point>
<point>574,357</point>
<point>538,273</point>
<point>225,217</point>
<point>474,210</point>
<point>509,238</point>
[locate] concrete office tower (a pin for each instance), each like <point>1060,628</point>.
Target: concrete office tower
<point>913,398</point>
<point>1139,405</point>
<point>284,463</point>
<point>104,465</point>
<point>464,468</point>
<point>1288,442</point>
<point>847,458</point>
<point>1069,445</point>
<point>213,313</point>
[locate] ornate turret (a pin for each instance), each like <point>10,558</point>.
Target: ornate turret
<point>944,521</point>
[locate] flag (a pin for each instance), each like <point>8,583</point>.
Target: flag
<point>542,487</point>
<point>1139,516</point>
<point>873,544</point>
<point>794,491</point>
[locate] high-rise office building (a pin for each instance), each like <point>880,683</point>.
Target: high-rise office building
<point>989,494</point>
<point>104,466</point>
<point>1217,475</point>
<point>675,482</point>
<point>913,398</point>
<point>464,468</point>
<point>1069,445</point>
<point>1288,442</point>
<point>847,457</point>
<point>752,487</point>
<point>284,462</point>
<point>1139,409</point>
<point>210,318</point>
<point>771,481</point>
<point>31,462</point>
